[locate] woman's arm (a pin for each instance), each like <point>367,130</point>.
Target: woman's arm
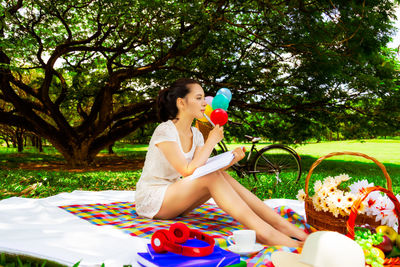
<point>176,158</point>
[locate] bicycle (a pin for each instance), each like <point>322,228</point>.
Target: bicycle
<point>279,161</point>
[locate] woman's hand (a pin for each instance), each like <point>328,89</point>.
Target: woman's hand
<point>238,154</point>
<point>216,134</point>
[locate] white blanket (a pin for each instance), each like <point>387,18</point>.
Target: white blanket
<point>37,227</point>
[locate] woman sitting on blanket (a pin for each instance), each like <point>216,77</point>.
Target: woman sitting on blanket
<point>176,149</point>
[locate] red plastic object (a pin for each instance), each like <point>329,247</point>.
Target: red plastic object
<point>169,240</point>
<point>219,116</point>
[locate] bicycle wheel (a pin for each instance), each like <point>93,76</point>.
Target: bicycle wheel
<point>277,162</point>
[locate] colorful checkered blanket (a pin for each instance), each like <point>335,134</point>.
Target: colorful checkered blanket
<point>208,218</point>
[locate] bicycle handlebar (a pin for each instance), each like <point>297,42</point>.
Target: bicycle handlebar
<point>234,122</point>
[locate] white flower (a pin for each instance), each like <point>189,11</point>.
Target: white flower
<point>357,187</point>
<point>317,186</point>
<point>336,198</point>
<point>383,209</point>
<point>343,177</point>
<point>329,182</point>
<point>317,202</point>
<point>301,195</point>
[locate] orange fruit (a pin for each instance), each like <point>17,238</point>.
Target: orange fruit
<point>378,252</point>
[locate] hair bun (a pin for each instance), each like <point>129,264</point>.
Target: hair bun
<point>166,101</point>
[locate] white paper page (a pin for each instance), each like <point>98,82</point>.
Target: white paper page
<point>214,163</point>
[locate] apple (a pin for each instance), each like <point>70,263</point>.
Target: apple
<point>386,245</point>
<point>387,231</point>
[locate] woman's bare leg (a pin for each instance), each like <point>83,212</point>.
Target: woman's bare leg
<point>265,212</point>
<point>197,204</point>
<point>183,194</point>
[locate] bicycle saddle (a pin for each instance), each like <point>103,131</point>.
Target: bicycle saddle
<point>252,138</point>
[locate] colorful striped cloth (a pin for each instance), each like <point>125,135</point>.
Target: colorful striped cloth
<point>208,218</point>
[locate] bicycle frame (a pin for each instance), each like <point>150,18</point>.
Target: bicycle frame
<point>240,167</point>
<point>247,166</point>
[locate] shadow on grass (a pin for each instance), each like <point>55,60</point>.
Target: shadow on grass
<point>12,160</point>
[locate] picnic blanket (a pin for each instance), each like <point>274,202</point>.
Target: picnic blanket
<point>207,218</point>
<point>39,228</point>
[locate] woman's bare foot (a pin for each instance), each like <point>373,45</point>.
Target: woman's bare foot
<point>275,237</point>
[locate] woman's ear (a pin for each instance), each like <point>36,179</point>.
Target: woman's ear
<point>180,102</point>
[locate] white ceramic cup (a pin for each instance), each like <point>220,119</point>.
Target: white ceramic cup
<point>243,239</point>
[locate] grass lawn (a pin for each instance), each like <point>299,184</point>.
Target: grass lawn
<point>50,182</point>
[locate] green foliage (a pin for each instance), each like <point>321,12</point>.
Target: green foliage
<point>85,74</point>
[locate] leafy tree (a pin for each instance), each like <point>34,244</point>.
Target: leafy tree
<point>95,66</point>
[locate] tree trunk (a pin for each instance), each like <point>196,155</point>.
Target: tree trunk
<point>39,144</point>
<point>33,140</point>
<point>75,153</point>
<point>20,142</point>
<point>110,149</point>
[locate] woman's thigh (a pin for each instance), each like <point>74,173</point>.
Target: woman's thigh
<point>183,194</point>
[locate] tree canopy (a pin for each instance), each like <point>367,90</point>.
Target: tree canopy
<point>85,73</point>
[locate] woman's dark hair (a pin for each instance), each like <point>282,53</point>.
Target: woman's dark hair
<point>166,101</point>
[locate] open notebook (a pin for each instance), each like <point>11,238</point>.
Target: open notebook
<point>214,163</point>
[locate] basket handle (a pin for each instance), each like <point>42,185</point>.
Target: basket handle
<point>356,205</point>
<point>318,161</point>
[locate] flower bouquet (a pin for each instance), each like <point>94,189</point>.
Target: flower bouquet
<point>329,197</point>
<point>329,208</point>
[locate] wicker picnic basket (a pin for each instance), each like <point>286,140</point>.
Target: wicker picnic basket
<point>322,220</point>
<point>354,211</point>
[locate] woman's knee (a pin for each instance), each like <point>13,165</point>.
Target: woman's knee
<point>214,177</point>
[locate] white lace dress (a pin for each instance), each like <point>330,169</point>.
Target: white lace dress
<point>158,173</point>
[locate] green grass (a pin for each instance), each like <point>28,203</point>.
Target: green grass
<point>53,182</point>
<point>13,260</point>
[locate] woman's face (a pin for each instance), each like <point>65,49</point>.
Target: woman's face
<point>193,103</point>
